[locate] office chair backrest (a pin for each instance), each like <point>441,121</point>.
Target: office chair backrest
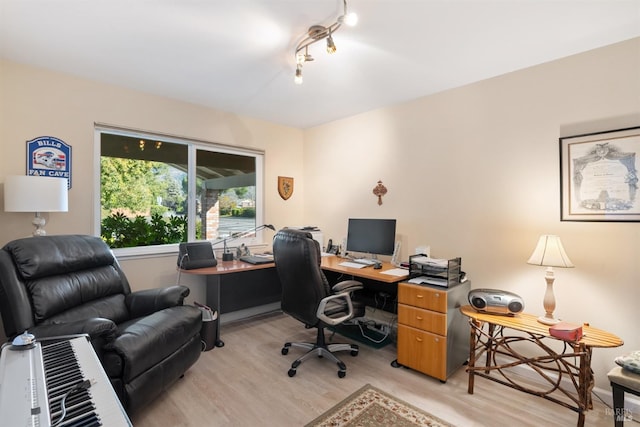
<point>297,258</point>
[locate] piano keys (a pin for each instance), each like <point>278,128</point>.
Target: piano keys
<point>57,383</point>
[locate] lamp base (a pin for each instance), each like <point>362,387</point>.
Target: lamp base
<point>227,256</point>
<point>39,222</point>
<point>548,320</point>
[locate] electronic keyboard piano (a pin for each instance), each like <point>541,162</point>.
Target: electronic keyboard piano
<point>57,382</point>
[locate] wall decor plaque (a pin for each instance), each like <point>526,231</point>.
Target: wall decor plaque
<point>49,156</point>
<point>285,187</point>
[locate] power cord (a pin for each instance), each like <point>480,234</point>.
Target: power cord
<point>180,267</point>
<point>84,385</point>
<point>377,341</point>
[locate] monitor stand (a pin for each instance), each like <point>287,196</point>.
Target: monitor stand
<point>366,261</point>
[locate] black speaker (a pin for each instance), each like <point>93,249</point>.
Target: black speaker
<point>495,301</point>
<point>196,255</point>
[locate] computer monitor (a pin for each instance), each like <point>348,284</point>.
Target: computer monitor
<point>371,236</point>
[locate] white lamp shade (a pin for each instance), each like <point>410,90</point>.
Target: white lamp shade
<point>26,193</point>
<point>550,253</point>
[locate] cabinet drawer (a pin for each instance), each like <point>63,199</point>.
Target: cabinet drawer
<point>430,321</point>
<point>422,351</point>
<point>422,297</point>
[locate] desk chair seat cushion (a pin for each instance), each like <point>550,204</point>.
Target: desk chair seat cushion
<point>630,362</point>
<point>624,378</point>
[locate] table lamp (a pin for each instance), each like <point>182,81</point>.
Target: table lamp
<point>28,193</point>
<point>549,253</point>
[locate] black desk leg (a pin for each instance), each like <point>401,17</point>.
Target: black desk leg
<point>213,301</point>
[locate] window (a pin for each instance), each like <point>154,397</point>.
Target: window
<point>160,190</point>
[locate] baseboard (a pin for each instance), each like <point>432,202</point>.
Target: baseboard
<point>249,312</point>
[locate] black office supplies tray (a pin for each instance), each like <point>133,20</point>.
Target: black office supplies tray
<point>450,276</point>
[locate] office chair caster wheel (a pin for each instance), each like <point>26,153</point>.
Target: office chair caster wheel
<point>354,353</point>
<point>341,374</point>
<point>292,372</point>
<point>284,351</point>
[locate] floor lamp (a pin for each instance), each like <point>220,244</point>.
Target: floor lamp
<point>28,193</point>
<point>549,253</point>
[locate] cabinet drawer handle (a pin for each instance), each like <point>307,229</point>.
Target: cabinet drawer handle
<point>437,295</point>
<point>419,296</point>
<point>418,339</point>
<point>418,318</point>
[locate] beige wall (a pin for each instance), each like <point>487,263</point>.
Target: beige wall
<point>36,102</point>
<point>474,172</point>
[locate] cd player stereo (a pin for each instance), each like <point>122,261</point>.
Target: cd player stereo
<point>495,301</point>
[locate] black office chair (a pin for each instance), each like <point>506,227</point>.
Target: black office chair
<point>307,297</point>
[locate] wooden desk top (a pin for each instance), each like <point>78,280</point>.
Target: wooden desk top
<point>332,263</point>
<point>226,267</point>
<point>592,337</point>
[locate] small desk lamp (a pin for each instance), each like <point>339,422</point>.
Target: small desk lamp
<point>549,253</point>
<point>28,193</point>
<point>228,256</point>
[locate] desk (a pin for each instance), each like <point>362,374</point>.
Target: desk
<point>237,274</point>
<point>567,376</point>
<point>332,263</point>
<point>375,282</point>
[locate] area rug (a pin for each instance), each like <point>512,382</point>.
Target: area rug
<point>370,406</point>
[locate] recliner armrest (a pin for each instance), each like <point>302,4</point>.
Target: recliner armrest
<point>347,286</point>
<point>142,303</point>
<point>320,313</point>
<point>96,328</point>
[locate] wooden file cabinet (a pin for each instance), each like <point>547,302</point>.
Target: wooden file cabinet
<point>433,336</point>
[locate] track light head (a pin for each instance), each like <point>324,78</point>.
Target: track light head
<point>320,32</point>
<point>350,19</point>
<point>298,78</point>
<point>331,46</point>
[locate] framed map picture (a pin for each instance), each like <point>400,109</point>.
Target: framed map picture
<point>599,176</point>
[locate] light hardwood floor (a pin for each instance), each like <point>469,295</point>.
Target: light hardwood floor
<point>245,383</point>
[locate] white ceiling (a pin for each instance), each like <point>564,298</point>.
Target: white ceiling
<point>238,55</point>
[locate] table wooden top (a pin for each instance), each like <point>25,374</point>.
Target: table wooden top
<point>591,337</point>
<point>226,267</point>
<point>332,263</point>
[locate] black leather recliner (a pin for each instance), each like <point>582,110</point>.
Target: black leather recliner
<point>73,284</point>
<point>307,296</point>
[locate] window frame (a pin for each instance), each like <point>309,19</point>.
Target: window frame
<point>193,145</point>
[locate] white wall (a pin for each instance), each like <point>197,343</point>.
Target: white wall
<point>474,172</point>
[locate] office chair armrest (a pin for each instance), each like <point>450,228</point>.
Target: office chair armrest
<point>346,286</point>
<point>334,320</point>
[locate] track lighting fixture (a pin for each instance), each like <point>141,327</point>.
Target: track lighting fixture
<point>331,46</point>
<point>298,79</point>
<point>317,33</point>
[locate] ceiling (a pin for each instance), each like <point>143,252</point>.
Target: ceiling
<point>238,55</point>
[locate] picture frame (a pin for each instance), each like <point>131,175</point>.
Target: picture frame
<point>599,176</point>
